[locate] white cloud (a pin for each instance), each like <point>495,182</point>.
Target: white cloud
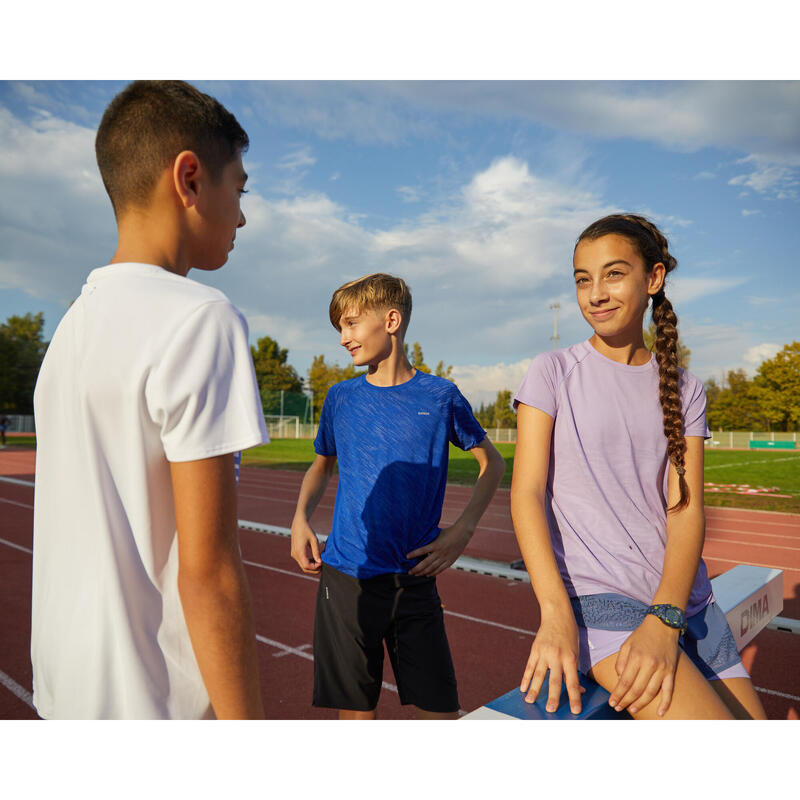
<point>409,194</point>
<point>685,289</point>
<point>751,212</point>
<point>778,180</point>
<point>754,355</point>
<point>297,159</point>
<point>56,222</point>
<point>481,383</point>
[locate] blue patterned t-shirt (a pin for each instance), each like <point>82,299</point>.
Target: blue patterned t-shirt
<point>392,446</point>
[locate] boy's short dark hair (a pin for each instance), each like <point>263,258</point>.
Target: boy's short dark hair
<point>376,292</point>
<point>148,124</point>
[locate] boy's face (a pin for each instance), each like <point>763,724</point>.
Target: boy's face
<point>218,216</point>
<point>367,335</point>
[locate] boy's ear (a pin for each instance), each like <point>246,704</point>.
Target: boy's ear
<point>185,177</point>
<point>394,319</point>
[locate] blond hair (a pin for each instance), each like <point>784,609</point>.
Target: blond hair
<point>376,292</point>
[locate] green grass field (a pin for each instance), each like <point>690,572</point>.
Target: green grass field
<point>755,468</point>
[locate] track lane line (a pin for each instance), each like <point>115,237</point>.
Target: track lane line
<point>18,691</point>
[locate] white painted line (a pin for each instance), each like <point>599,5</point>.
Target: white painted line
<point>17,690</point>
<point>16,546</point>
<point>284,653</point>
<point>493,624</point>
<point>295,651</point>
<point>278,569</point>
<point>16,481</point>
<point>15,503</point>
<point>747,463</point>
<point>777,694</point>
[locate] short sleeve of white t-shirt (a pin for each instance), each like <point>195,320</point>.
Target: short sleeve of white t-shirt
<point>203,393</point>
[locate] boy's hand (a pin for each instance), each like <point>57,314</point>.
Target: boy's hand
<point>306,548</point>
<point>442,551</point>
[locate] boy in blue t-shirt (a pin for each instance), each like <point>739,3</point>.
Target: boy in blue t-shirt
<point>390,430</point>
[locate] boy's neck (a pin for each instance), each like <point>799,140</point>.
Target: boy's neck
<point>151,237</point>
<point>393,370</point>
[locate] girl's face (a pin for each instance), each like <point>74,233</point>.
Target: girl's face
<point>612,286</point>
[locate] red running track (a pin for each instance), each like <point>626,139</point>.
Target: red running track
<point>490,621</point>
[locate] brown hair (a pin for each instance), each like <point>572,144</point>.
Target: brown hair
<point>654,248</point>
<point>148,124</point>
<point>376,292</point>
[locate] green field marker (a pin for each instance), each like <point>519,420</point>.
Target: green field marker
<point>759,445</point>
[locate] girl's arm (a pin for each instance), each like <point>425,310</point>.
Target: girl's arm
<point>555,647</point>
<point>646,662</point>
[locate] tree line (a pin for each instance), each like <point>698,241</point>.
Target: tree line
<point>770,401</point>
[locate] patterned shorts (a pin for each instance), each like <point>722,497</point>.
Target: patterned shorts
<point>605,621</point>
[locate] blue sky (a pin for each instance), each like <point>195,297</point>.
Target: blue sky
<point>474,191</point>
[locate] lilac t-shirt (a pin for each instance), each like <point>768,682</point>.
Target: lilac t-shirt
<point>607,483</point>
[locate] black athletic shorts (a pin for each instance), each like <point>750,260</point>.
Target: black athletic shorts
<point>353,618</point>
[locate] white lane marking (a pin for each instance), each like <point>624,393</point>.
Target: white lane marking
<point>284,653</point>
<point>747,463</point>
<point>16,546</point>
<point>712,533</point>
<point>17,690</point>
<point>755,544</point>
<point>15,503</point>
<point>487,622</point>
<point>296,651</point>
<point>278,569</point>
<point>777,694</point>
<point>16,481</point>
<point>750,563</point>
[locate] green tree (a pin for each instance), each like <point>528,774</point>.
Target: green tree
<point>417,360</point>
<point>776,388</point>
<point>321,376</point>
<point>684,353</point>
<point>733,407</point>
<point>22,349</point>
<point>273,372</point>
<point>498,414</point>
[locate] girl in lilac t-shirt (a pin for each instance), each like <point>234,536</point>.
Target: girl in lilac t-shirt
<point>607,500</point>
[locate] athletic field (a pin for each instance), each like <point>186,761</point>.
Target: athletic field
<point>777,471</point>
<point>726,472</point>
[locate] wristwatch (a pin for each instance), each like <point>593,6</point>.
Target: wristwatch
<point>670,615</point>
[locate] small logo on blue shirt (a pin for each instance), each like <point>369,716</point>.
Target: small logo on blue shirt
<point>424,413</point>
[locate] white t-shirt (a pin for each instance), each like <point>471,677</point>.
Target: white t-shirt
<point>146,367</point>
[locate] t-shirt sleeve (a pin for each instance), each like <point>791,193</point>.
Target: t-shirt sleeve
<point>694,408</point>
<point>325,441</point>
<point>539,387</point>
<point>203,393</point>
<point>465,431</point>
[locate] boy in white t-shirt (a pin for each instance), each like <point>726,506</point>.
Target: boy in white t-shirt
<point>140,604</point>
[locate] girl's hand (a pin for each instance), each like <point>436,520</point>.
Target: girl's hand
<point>555,648</point>
<point>646,665</point>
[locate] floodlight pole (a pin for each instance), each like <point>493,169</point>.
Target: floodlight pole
<point>555,337</point>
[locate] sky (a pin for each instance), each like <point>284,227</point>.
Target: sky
<point>474,191</point>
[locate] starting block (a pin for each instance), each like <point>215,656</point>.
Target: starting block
<point>750,597</point>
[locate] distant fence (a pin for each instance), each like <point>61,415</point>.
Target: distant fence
<point>740,440</point>
<point>292,428</point>
<point>20,423</point>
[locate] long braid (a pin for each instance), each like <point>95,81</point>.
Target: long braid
<point>654,248</point>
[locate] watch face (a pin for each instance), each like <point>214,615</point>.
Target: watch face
<point>673,616</point>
